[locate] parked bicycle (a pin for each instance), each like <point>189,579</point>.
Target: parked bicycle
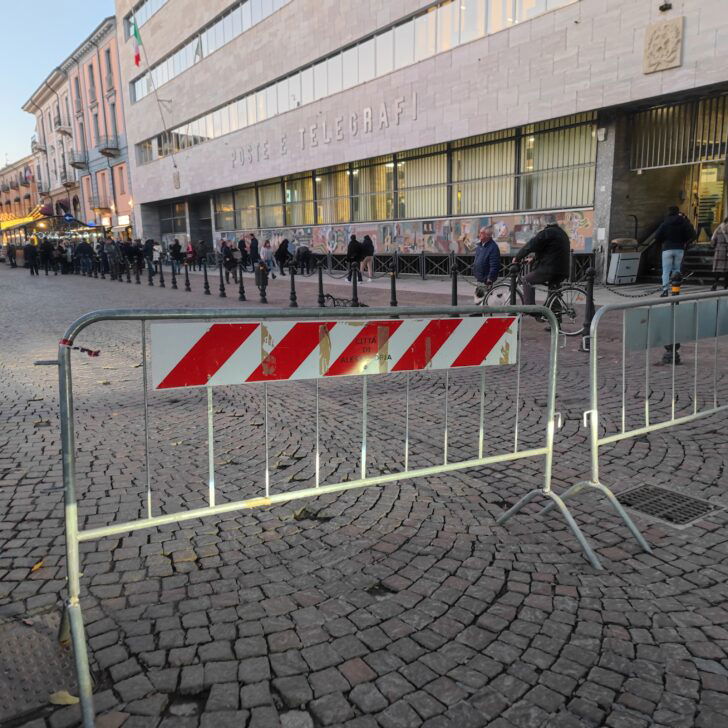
<point>567,302</point>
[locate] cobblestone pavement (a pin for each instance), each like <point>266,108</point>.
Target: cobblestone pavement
<point>394,606</point>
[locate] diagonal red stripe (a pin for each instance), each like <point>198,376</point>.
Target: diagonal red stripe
<point>486,337</point>
<point>293,349</point>
<point>208,354</point>
<point>365,347</point>
<point>426,345</point>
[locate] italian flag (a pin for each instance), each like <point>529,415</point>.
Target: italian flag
<point>137,42</point>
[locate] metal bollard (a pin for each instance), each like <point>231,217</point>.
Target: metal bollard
<point>137,273</point>
<point>204,274</point>
<point>241,285</point>
<point>454,287</point>
<point>321,297</point>
<point>293,300</point>
<point>150,274</point>
<point>188,289</point>
<point>174,278</point>
<point>393,284</point>
<point>222,282</point>
<point>128,271</point>
<point>45,265</point>
<point>591,274</point>
<point>261,280</point>
<point>395,260</point>
<point>96,269</point>
<point>513,270</point>
<point>354,268</point>
<point>672,355</point>
<point>423,265</point>
<point>161,274</point>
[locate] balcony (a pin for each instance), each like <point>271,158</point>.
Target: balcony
<point>62,126</point>
<point>14,184</point>
<point>25,181</point>
<point>36,146</point>
<point>78,105</point>
<point>78,160</point>
<point>100,204</point>
<point>67,180</point>
<point>92,95</point>
<point>43,188</point>
<point>109,84</point>
<point>4,187</point>
<point>109,146</point>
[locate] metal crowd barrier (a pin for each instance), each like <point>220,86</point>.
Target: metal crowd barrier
<point>670,325</point>
<point>204,348</point>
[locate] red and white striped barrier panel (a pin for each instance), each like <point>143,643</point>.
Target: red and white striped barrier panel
<point>203,354</point>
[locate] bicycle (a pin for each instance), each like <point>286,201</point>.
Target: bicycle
<point>567,302</point>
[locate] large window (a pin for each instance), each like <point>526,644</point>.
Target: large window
<point>373,189</point>
<point>299,200</point>
<point>332,195</point>
<point>173,218</point>
<point>422,184</point>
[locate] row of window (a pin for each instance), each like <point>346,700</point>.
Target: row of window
<point>141,13</point>
<point>436,30</point>
<point>531,168</point>
<point>241,17</point>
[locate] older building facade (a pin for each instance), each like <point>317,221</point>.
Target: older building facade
<point>18,189</point>
<point>418,122</point>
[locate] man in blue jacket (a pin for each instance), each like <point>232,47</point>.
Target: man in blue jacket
<point>487,258</point>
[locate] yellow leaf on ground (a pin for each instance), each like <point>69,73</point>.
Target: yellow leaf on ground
<point>62,697</point>
<point>37,566</point>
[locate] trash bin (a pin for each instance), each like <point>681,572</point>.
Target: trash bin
<point>624,262</point>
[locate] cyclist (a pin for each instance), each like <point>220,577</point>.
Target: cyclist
<point>550,249</point>
<point>486,266</point>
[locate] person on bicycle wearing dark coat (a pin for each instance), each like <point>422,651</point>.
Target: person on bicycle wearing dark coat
<point>486,266</point>
<point>550,249</point>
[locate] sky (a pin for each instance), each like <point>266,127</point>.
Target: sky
<point>37,35</point>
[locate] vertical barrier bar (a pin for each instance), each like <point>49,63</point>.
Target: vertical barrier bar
<point>146,419</point>
<point>447,397</point>
<point>647,368</point>
<point>406,423</point>
<point>318,440</point>
<point>210,447</point>
<point>267,457</point>
<point>364,418</point>
<point>518,385</point>
<point>715,353</point>
<point>695,360</point>
<point>481,434</point>
<point>624,370</point>
<point>674,359</point>
<point>73,561</point>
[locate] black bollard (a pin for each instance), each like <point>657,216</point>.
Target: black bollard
<point>321,297</point>
<point>514,283</point>
<point>187,279</point>
<point>354,284</point>
<point>96,269</point>
<point>45,265</point>
<point>150,275</point>
<point>589,312</point>
<point>137,277</point>
<point>161,274</point>
<point>261,280</point>
<point>241,285</point>
<point>204,273</point>
<point>293,300</point>
<point>393,284</point>
<point>128,271</point>
<point>222,283</point>
<point>174,278</point>
<point>101,269</point>
<point>454,287</point>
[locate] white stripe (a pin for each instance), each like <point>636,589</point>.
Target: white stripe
<point>171,342</point>
<point>399,343</point>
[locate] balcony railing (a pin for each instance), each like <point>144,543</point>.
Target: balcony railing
<point>109,81</point>
<point>25,181</point>
<point>78,104</point>
<point>4,187</point>
<point>68,179</point>
<point>62,126</point>
<point>92,94</point>
<point>36,146</point>
<point>78,160</point>
<point>99,203</point>
<point>42,187</point>
<point>108,146</point>
<point>14,184</point>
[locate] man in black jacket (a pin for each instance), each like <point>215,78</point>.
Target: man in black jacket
<point>354,256</point>
<point>550,249</point>
<point>30,253</point>
<point>675,234</point>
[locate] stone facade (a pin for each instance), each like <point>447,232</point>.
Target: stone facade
<point>585,56</point>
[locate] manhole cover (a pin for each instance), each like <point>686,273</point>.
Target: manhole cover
<point>674,508</point>
<point>32,665</point>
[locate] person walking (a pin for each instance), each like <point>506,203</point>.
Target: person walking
<point>674,235</point>
<point>266,255</point>
<point>282,255</point>
<point>30,253</point>
<point>303,259</point>
<point>12,255</point>
<point>84,255</point>
<point>175,254</point>
<point>486,266</point>
<point>243,249</point>
<point>228,261</point>
<point>149,252</point>
<point>254,252</point>
<point>367,252</point>
<point>354,257</point>
<point>550,249</point>
<point>190,256</point>
<point>156,257</point>
<point>719,242</point>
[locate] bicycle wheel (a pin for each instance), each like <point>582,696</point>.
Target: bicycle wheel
<point>500,295</point>
<point>569,306</point>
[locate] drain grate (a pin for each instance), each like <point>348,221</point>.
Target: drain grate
<point>675,508</point>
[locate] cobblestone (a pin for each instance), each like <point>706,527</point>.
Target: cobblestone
<point>393,606</point>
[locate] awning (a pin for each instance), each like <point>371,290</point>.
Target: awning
<point>16,222</point>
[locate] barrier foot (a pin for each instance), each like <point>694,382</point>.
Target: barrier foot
<point>569,493</point>
<point>619,508</point>
<point>521,503</point>
<point>585,547</point>
<point>80,654</point>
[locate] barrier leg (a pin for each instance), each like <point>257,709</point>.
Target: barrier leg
<point>569,493</point>
<point>85,685</point>
<point>619,508</point>
<point>585,547</point>
<point>515,509</point>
